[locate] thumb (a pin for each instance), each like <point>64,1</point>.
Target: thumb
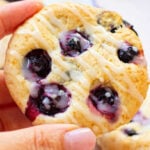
<point>49,137</point>
<point>14,14</point>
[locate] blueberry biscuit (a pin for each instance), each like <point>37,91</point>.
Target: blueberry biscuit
<point>77,64</point>
<point>132,136</point>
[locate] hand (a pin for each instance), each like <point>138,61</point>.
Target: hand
<point>54,137</point>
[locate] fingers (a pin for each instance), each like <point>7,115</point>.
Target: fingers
<point>13,14</point>
<point>5,97</point>
<point>10,116</point>
<point>80,139</point>
<point>55,137</point>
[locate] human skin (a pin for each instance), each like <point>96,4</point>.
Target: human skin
<point>16,131</point>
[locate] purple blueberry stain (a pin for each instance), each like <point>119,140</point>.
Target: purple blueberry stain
<point>127,52</point>
<point>51,99</point>
<point>36,65</point>
<point>32,111</point>
<point>130,132</point>
<point>74,43</point>
<point>141,119</point>
<point>106,101</point>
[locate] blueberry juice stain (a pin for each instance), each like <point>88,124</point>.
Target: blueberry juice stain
<point>106,101</point>
<point>50,99</point>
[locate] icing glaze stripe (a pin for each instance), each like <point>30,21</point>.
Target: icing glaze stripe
<point>102,61</point>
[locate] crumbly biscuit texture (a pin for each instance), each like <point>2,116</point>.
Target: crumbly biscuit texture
<point>129,137</point>
<point>77,64</point>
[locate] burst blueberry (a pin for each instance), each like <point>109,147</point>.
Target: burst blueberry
<point>52,98</point>
<point>37,64</point>
<point>130,132</point>
<point>106,101</point>
<point>127,53</point>
<point>74,43</point>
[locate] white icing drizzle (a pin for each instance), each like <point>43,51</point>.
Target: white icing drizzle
<point>74,74</point>
<point>47,24</point>
<point>38,36</point>
<point>60,72</point>
<point>88,114</point>
<point>34,89</point>
<point>27,32</point>
<point>91,71</point>
<point>15,54</point>
<point>78,76</point>
<point>103,62</point>
<point>76,13</point>
<point>86,11</point>
<point>69,115</point>
<point>109,48</point>
<point>57,58</point>
<point>78,88</point>
<point>90,29</point>
<point>54,20</point>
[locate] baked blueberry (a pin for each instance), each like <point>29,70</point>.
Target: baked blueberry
<point>37,64</point>
<point>106,101</point>
<point>51,99</point>
<point>32,111</point>
<point>74,43</point>
<point>130,132</point>
<point>113,29</point>
<point>111,21</point>
<point>126,53</point>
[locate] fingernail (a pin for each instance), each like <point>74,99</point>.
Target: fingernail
<point>79,139</point>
